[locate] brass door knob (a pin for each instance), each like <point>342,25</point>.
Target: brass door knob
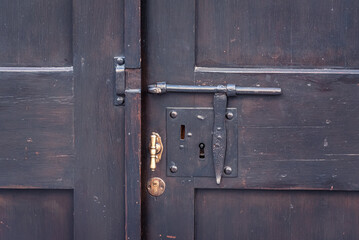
<point>156,149</point>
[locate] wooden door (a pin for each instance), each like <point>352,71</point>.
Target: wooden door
<point>61,137</point>
<point>296,175</point>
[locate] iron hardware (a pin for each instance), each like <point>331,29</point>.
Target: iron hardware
<point>120,81</point>
<point>156,149</point>
<point>221,92</point>
<point>173,169</point>
<point>227,170</point>
<point>156,186</point>
<point>230,89</point>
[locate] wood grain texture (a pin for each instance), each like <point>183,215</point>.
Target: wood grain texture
<point>36,115</point>
<point>133,155</point>
<point>36,33</point>
<point>306,138</point>
<point>276,215</point>
<point>99,125</point>
<point>132,33</point>
<point>301,33</point>
<point>36,214</point>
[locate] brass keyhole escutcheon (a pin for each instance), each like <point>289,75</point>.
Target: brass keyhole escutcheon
<point>156,186</point>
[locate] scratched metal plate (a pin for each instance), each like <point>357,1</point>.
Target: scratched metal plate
<point>187,131</point>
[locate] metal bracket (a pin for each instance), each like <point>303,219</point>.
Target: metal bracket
<point>120,81</point>
<point>221,92</point>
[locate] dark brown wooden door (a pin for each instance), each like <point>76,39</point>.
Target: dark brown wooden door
<point>297,170</point>
<point>61,138</point>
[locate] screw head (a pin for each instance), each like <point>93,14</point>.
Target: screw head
<point>227,170</point>
<point>229,115</point>
<point>119,100</point>
<point>173,114</point>
<point>120,61</point>
<point>173,169</point>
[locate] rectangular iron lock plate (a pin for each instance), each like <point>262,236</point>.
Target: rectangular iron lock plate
<point>189,142</point>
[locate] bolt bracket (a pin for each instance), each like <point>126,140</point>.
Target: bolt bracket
<point>120,81</point>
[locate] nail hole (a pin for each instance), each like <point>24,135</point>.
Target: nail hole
<point>183,131</point>
<point>201,150</point>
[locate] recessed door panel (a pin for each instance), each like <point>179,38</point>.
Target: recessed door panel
<point>280,215</point>
<point>298,33</point>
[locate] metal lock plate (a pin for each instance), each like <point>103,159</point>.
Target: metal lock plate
<point>189,140</point>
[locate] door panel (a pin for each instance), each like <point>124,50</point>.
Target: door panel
<point>36,33</point>
<point>301,146</point>
<point>308,137</point>
<point>37,147</point>
<point>276,33</point>
<point>36,214</point>
<point>260,214</point>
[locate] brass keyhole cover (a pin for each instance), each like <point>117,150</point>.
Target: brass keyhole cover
<point>156,186</point>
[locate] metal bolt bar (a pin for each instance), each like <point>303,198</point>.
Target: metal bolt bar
<point>229,89</point>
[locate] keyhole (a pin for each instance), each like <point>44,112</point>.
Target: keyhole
<point>183,131</point>
<point>201,150</point>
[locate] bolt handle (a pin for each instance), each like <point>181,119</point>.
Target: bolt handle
<point>156,150</point>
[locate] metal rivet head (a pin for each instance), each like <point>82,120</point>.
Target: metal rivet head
<point>227,170</point>
<point>119,100</point>
<point>120,61</point>
<point>173,114</point>
<point>189,134</point>
<point>173,169</point>
<point>229,115</point>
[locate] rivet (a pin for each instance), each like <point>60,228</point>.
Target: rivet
<point>227,170</point>
<point>173,114</point>
<point>189,134</point>
<point>119,100</point>
<point>181,146</point>
<point>120,61</point>
<point>229,115</point>
<point>173,169</point>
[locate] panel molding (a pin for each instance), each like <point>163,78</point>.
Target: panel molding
<point>276,70</point>
<point>36,69</point>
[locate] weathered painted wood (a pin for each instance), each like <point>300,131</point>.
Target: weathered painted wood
<point>36,33</point>
<point>36,214</point>
<point>37,137</point>
<point>99,125</point>
<point>133,121</point>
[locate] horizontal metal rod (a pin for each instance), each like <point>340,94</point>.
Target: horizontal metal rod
<point>258,90</point>
<point>229,89</point>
